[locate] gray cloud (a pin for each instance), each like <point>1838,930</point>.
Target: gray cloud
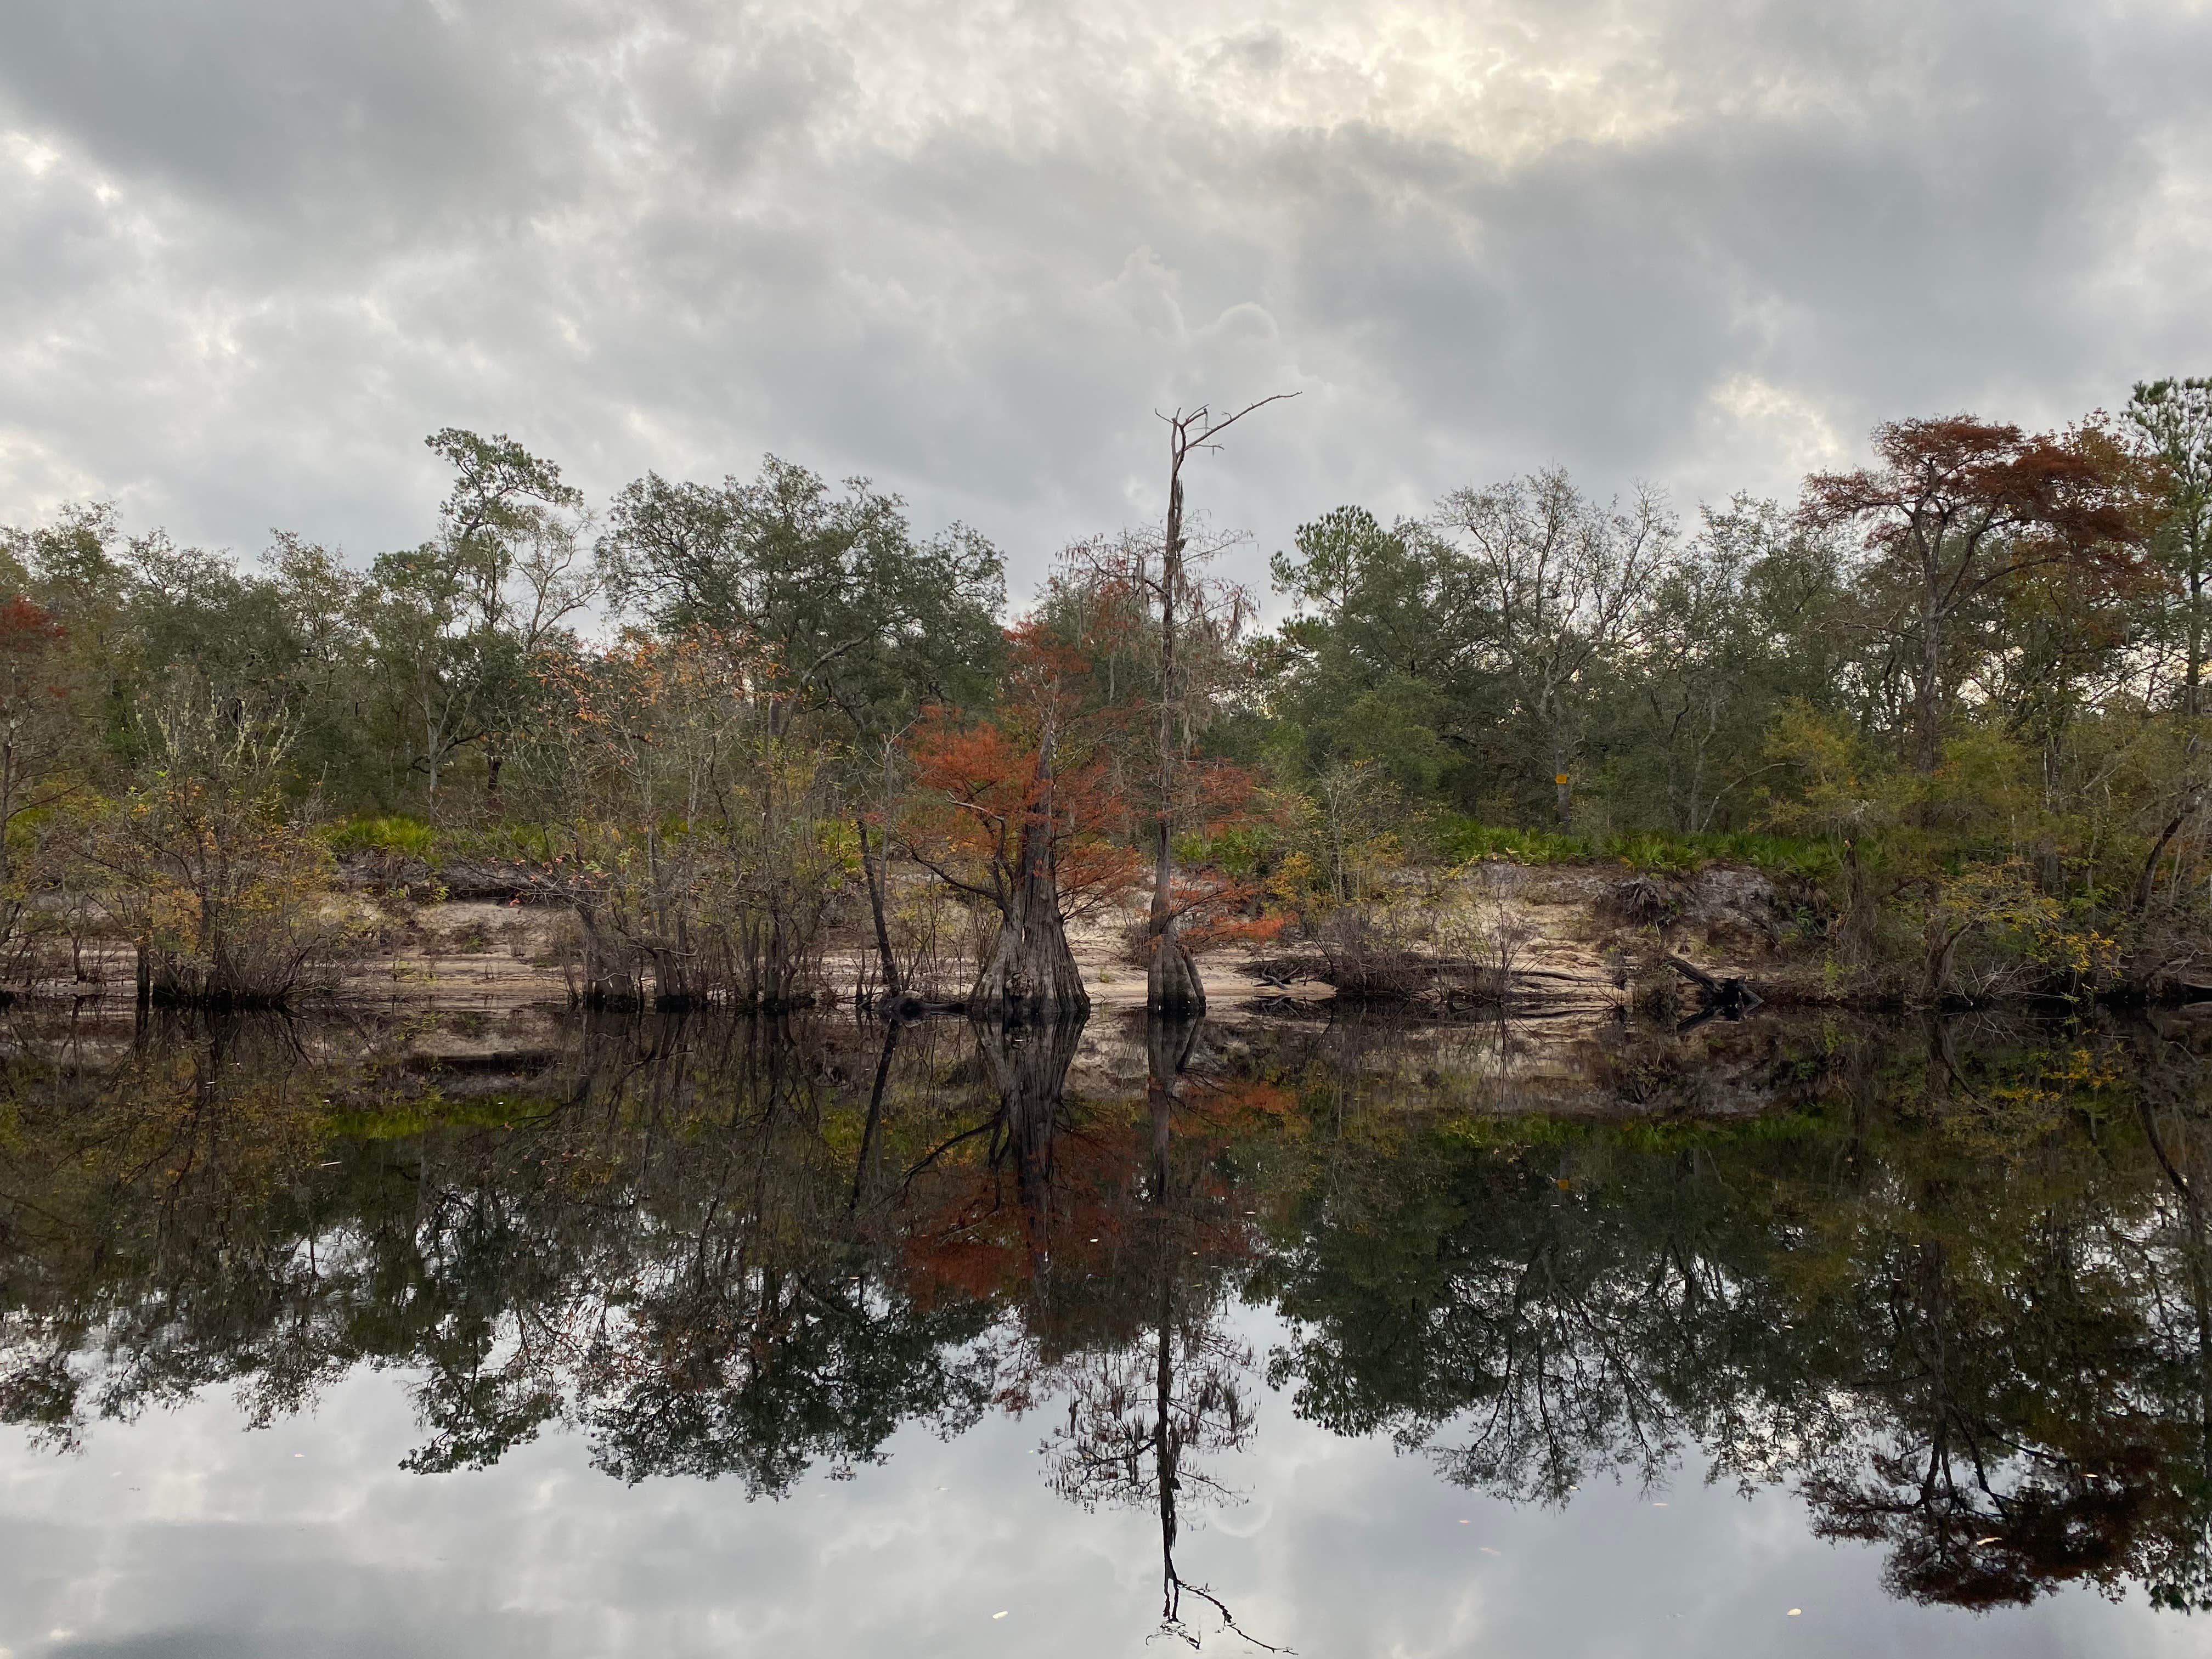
<point>178,1533</point>
<point>256,249</point>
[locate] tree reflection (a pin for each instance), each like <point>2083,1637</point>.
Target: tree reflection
<point>648,1240</point>
<point>1140,1413</point>
<point>1951,1326</point>
<point>1953,1288</point>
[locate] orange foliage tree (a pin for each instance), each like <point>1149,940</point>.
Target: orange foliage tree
<point>1015,812</point>
<point>1958,507</point>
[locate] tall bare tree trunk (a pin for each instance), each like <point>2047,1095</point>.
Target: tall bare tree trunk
<point>1171,982</point>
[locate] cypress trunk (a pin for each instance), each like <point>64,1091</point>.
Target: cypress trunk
<point>1030,974</point>
<point>1172,986</point>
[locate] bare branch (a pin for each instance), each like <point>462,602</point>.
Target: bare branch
<point>1208,429</point>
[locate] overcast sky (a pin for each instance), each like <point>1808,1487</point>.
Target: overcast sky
<point>180,1534</point>
<point>254,250</point>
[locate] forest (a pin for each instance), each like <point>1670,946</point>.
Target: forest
<point>767,742</point>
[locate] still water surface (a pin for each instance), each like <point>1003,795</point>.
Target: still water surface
<point>513,1335</point>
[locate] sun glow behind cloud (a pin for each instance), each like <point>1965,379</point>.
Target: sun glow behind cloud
<point>1498,82</point>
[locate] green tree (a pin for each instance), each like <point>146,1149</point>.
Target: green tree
<point>847,612</point>
<point>1738,625</point>
<point>1387,658</point>
<point>2172,423</point>
<point>454,624</point>
<point>1567,584</point>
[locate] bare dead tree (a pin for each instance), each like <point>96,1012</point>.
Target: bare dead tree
<point>1171,982</point>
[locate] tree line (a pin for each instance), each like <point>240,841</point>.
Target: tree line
<point>1953,700</point>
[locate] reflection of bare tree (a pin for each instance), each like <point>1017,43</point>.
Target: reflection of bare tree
<point>864,1164</point>
<point>647,1235</point>
<point>2169,1077</point>
<point>1988,1478</point>
<point>132,1172</point>
<point>1568,1344</point>
<point>1138,1414</point>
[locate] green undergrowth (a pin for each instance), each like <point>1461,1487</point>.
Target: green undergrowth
<point>1248,850</point>
<point>1648,852</point>
<point>506,842</point>
<point>407,837</point>
<point>1245,850</point>
<point>398,1119</point>
<point>1537,1133</point>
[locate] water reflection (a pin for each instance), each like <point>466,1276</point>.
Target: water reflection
<point>1146,1417</point>
<point>1948,1284</point>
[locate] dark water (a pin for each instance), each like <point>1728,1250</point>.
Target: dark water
<point>514,1336</point>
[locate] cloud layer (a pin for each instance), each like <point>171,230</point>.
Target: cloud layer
<point>256,249</point>
<point>179,1535</point>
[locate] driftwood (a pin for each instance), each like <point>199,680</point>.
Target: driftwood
<point>1728,999</point>
<point>908,1006</point>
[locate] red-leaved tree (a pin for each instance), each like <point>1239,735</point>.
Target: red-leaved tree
<point>1016,811</point>
<point>1957,506</point>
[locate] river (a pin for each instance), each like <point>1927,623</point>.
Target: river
<point>514,1333</point>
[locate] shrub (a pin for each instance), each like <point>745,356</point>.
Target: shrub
<point>1462,839</point>
<point>402,836</point>
<point>1646,851</point>
<point>227,894</point>
<point>1242,850</point>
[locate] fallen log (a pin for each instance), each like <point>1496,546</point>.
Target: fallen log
<point>1731,997</point>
